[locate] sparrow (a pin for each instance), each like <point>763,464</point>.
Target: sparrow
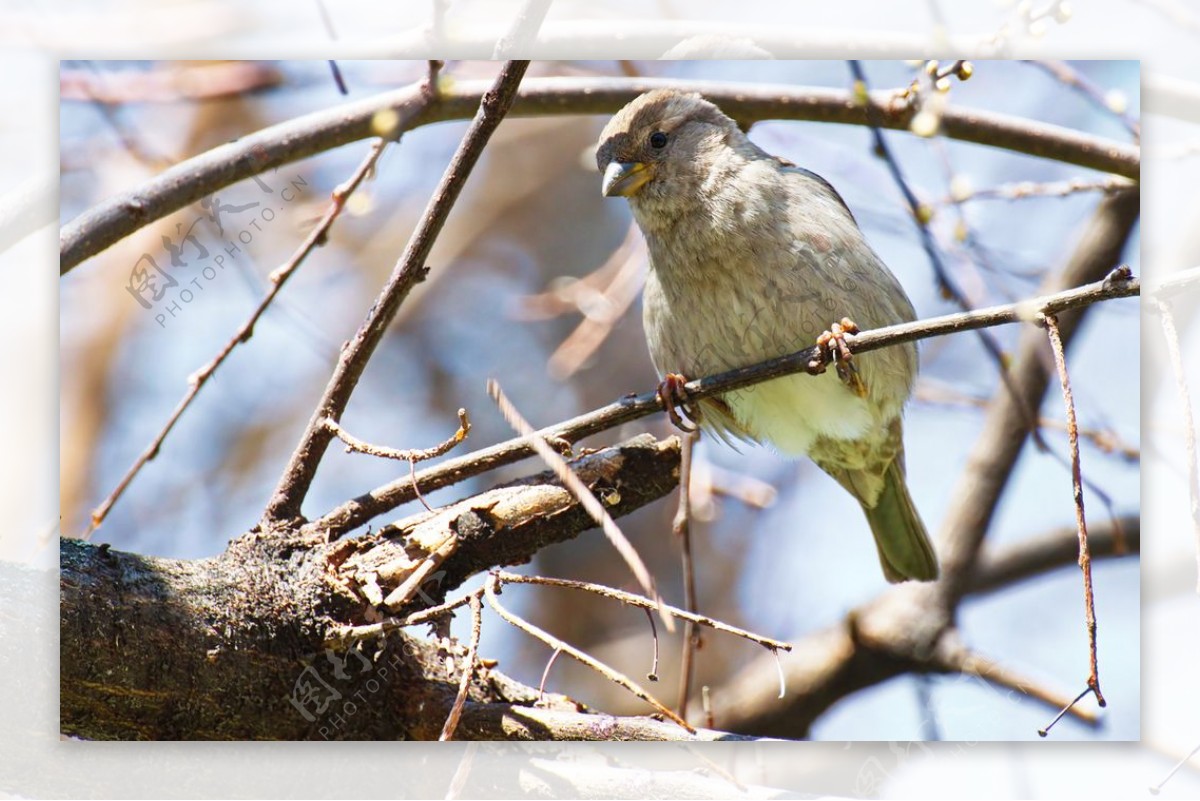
<point>752,257</point>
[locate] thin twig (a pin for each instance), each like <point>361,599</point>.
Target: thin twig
<point>1027,189</point>
<point>612,675</point>
<point>546,672</point>
<point>468,670</point>
<point>580,490</point>
<point>1070,707</point>
<point>653,674</point>
<point>1085,559</point>
<point>403,454</point>
<point>1104,439</point>
<point>358,511</point>
<point>409,270</point>
<point>681,527</point>
<point>949,287</point>
<point>644,603</point>
<point>278,277</point>
<point>1163,305</point>
<point>123,213</point>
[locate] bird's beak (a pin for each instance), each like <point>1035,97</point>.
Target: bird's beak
<point>624,178</point>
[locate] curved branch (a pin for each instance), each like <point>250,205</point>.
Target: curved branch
<point>187,182</point>
<point>359,510</point>
<point>1010,564</point>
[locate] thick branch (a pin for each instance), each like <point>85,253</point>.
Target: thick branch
<point>187,182</point>
<point>506,525</point>
<point>359,510</point>
<point>235,647</point>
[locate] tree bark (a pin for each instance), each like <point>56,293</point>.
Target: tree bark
<point>234,646</point>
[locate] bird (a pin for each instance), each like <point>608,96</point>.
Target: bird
<point>752,257</point>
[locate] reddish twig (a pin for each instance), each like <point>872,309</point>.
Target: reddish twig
<point>1085,559</point>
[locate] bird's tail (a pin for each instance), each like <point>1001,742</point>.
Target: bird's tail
<point>905,551</point>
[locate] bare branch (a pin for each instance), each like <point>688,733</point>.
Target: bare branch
<point>1085,559</point>
<point>412,564</point>
<point>920,217</point>
<point>358,511</point>
<point>403,454</point>
<point>1004,566</point>
<point>769,643</point>
<point>584,495</point>
<point>609,673</point>
<point>277,278</point>
<point>120,215</point>
<point>409,270</point>
<point>681,526</point>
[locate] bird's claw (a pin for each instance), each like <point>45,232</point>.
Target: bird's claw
<point>832,347</point>
<point>672,394</point>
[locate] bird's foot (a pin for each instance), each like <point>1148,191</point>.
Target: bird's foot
<point>832,347</point>
<point>673,396</point>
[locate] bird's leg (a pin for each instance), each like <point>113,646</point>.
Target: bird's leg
<point>674,399</point>
<point>832,346</point>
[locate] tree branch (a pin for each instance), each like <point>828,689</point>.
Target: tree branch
<point>358,511</point>
<point>187,182</point>
<point>1004,566</point>
<point>409,270</point>
<point>239,646</point>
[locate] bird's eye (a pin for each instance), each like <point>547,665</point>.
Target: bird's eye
<point>658,140</point>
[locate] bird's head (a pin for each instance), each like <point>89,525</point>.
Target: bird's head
<point>660,148</point>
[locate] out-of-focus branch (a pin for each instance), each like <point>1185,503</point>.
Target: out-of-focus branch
<point>1004,566</point>
<point>122,214</point>
<point>989,466</point>
<point>359,510</point>
<point>409,270</point>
